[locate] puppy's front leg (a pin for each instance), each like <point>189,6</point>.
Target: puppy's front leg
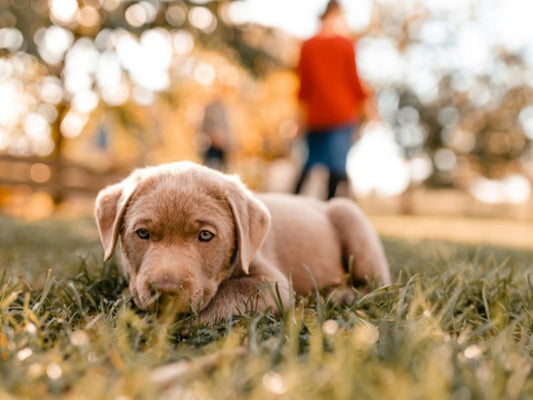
<point>257,291</point>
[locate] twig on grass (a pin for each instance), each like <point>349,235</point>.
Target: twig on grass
<point>173,373</point>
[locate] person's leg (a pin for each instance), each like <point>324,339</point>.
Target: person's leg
<point>339,143</point>
<point>334,181</point>
<point>316,146</point>
<point>301,180</point>
<point>215,158</point>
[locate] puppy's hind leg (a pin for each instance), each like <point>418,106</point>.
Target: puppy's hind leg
<point>359,242</point>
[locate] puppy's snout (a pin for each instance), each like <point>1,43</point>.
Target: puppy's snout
<point>166,287</point>
<point>153,292</point>
<point>169,294</point>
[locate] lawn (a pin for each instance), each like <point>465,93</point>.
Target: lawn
<point>457,323</point>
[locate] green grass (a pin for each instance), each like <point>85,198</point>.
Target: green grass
<point>457,324</point>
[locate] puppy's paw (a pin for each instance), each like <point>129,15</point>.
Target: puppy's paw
<point>210,317</point>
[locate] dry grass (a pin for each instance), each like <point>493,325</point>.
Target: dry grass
<point>478,231</point>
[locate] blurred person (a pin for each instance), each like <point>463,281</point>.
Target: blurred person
<point>332,99</point>
<point>215,136</point>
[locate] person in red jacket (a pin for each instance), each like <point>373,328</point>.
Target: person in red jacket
<point>331,97</point>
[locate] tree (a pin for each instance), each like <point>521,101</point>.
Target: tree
<point>105,52</point>
<point>458,93</point>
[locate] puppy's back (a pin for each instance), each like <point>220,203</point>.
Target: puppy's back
<point>303,241</point>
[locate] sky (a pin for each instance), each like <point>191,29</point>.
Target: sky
<point>299,17</point>
<point>508,21</point>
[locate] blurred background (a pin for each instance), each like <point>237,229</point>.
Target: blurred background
<point>91,89</point>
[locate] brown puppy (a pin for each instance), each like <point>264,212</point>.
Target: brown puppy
<point>201,236</point>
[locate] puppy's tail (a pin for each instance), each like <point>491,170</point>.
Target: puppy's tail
<point>360,241</point>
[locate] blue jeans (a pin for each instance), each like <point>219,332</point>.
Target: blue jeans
<point>329,147</point>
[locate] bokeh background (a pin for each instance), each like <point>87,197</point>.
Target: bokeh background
<point>91,89</point>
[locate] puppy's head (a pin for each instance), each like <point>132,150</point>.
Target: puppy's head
<point>183,229</point>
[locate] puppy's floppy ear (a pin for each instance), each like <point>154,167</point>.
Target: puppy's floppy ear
<point>109,210</point>
<point>252,222</point>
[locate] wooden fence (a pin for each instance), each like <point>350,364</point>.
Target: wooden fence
<point>61,179</point>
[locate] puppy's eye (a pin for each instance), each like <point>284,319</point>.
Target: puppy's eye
<point>143,233</point>
<point>205,236</point>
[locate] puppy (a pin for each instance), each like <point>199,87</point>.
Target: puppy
<point>199,235</point>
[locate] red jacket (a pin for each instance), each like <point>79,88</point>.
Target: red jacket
<point>329,83</point>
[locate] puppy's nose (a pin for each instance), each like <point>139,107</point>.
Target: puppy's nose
<point>166,287</point>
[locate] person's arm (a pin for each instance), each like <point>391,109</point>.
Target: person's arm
<point>302,73</point>
<point>364,98</point>
<point>303,91</point>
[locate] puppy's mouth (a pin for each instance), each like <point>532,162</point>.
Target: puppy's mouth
<point>172,304</point>
<point>167,288</point>
<point>163,296</point>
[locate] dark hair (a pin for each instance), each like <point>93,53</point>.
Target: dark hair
<point>333,5</point>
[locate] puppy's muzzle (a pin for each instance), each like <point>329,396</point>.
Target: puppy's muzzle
<point>171,294</point>
<point>166,287</point>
